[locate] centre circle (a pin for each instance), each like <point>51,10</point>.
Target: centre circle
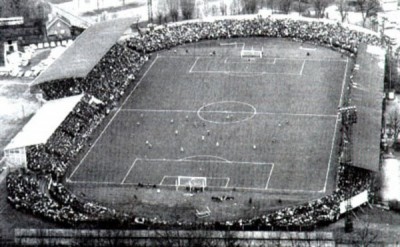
<point>226,112</point>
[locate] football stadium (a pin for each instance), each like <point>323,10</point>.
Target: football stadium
<point>246,123</point>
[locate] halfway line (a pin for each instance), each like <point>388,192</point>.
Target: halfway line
<point>231,112</point>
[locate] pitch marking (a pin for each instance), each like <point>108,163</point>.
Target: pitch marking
<point>192,71</point>
<point>243,61</point>
<point>327,59</point>
<point>227,179</point>
<point>336,127</point>
<point>269,177</point>
<point>204,156</point>
<point>210,161</point>
<point>302,67</point>
<point>253,113</point>
<point>227,183</point>
<point>308,49</point>
<point>112,119</point>
<point>294,191</point>
<point>230,112</point>
<point>129,171</point>
<point>233,44</point>
<point>194,64</point>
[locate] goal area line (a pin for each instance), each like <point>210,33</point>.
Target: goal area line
<point>254,61</point>
<point>170,181</point>
<point>216,173</point>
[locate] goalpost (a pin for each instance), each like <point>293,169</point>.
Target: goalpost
<point>251,53</point>
<point>191,182</point>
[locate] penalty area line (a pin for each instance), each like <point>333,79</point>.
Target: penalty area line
<point>194,64</point>
<point>269,177</point>
<point>113,117</point>
<point>129,171</point>
<point>302,67</point>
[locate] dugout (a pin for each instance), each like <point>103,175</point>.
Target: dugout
<point>39,129</point>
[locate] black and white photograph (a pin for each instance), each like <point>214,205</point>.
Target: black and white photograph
<point>199,123</point>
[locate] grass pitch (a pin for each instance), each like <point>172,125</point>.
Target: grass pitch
<point>272,119</point>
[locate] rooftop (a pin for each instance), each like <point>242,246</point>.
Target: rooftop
<point>43,124</point>
<point>2,62</point>
<point>86,51</point>
<point>367,96</point>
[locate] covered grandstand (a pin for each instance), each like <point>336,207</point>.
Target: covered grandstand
<point>39,129</point>
<point>367,95</point>
<point>85,52</point>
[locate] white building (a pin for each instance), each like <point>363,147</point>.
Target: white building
<point>39,129</point>
<point>389,5</point>
<point>92,5</point>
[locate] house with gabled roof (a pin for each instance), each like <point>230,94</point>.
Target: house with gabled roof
<point>59,27</point>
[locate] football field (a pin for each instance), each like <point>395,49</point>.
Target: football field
<point>201,110</point>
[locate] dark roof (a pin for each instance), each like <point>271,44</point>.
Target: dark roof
<point>1,55</point>
<point>57,18</point>
<point>86,51</point>
<point>367,96</point>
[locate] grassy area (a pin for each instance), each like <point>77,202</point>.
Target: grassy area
<point>187,94</point>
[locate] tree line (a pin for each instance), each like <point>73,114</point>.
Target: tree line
<point>30,10</point>
<point>174,10</point>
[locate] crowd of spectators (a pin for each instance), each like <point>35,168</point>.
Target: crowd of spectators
<point>353,180</point>
<point>67,140</point>
<point>107,82</point>
<point>30,192</point>
<point>117,69</point>
<point>332,35</point>
<point>26,193</point>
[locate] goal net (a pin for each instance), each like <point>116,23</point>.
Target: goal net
<point>251,53</point>
<point>191,182</point>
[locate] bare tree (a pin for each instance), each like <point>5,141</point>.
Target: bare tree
<point>159,17</point>
<point>211,10</point>
<point>365,236</point>
<point>271,4</point>
<point>223,7</point>
<point>284,6</point>
<point>249,6</point>
<point>12,8</point>
<point>393,120</point>
<point>173,9</point>
<point>343,8</point>
<point>136,25</point>
<point>235,7</point>
<point>36,10</point>
<point>187,7</point>
<point>298,6</point>
<point>367,8</point>
<point>320,6</point>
